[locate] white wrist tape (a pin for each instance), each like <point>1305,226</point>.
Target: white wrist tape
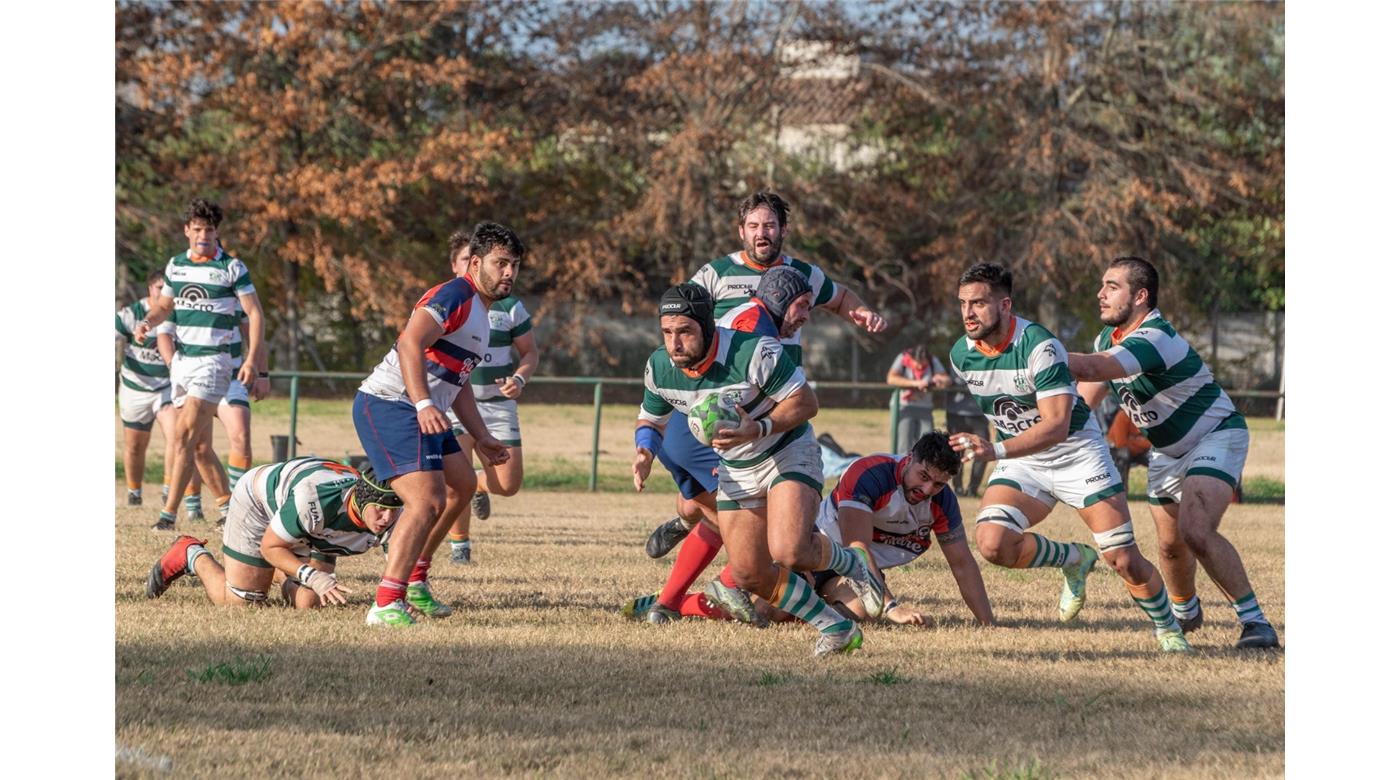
<point>423,404</point>
<point>304,573</point>
<point>999,449</point>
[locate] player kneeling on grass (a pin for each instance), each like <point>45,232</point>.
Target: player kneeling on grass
<point>769,464</point>
<point>295,517</point>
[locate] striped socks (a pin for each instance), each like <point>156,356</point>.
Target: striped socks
<point>238,464</point>
<point>1247,609</point>
<point>1154,603</point>
<point>192,554</point>
<point>1037,551</point>
<point>1186,607</point>
<point>843,560</point>
<point>459,541</point>
<point>193,509</point>
<point>794,596</point>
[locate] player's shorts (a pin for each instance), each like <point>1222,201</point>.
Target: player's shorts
<point>745,485</point>
<point>502,419</point>
<point>1219,454</point>
<point>237,394</point>
<point>1082,477</point>
<point>248,520</point>
<point>393,442</point>
<point>694,467</point>
<point>205,377</point>
<point>139,407</point>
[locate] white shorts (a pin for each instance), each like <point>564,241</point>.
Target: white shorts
<point>237,394</point>
<point>1218,454</point>
<point>1082,478</point>
<point>502,419</point>
<point>746,487</point>
<point>139,407</point>
<point>205,377</point>
<point>248,521</point>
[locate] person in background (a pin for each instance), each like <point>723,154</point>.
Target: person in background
<point>915,370</point>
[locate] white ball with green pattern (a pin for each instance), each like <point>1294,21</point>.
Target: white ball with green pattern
<point>709,416</point>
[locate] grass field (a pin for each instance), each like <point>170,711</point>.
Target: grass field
<point>538,674</point>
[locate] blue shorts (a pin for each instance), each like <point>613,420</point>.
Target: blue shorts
<point>392,440</point>
<point>693,466</point>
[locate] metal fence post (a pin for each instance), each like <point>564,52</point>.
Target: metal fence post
<point>292,435</point>
<point>597,425</point>
<point>894,421</point>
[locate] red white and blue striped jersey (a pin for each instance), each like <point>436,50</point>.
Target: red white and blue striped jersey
<point>901,532</point>
<point>449,360</point>
<point>752,317</point>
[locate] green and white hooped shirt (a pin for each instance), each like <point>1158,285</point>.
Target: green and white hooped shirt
<point>307,499</point>
<point>142,368</point>
<point>509,321</point>
<point>732,280</point>
<point>749,370</point>
<point>206,302</point>
<point>1169,392</point>
<point>1032,364</point>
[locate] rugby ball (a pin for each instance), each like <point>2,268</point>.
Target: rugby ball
<point>709,416</point>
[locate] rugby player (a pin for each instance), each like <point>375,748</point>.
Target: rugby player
<point>295,517</point>
<point>1049,448</point>
<point>203,291</point>
<point>144,394</point>
<point>769,465</point>
<point>1199,442</point>
<point>732,282</point>
<point>497,384</point>
<point>398,414</point>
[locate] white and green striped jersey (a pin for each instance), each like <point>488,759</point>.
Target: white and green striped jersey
<point>142,368</point>
<point>749,370</point>
<point>732,280</point>
<point>309,499</point>
<point>206,302</point>
<point>509,321</point>
<point>1169,392</point>
<point>1031,365</point>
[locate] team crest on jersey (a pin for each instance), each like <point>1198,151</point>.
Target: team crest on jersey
<point>1023,382</point>
<point>439,309</point>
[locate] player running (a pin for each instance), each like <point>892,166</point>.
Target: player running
<point>144,394</point>
<point>204,290</point>
<point>1050,448</point>
<point>497,384</point>
<point>769,465</point>
<point>1199,442</point>
<point>398,414</point>
<point>295,517</point>
<point>893,508</point>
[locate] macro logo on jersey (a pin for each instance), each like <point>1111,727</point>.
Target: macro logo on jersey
<point>142,366</point>
<point>192,296</point>
<point>1013,416</point>
<point>1142,418</point>
<point>206,296</point>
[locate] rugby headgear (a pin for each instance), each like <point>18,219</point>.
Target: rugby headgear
<point>369,491</point>
<point>778,287</point>
<point>689,299</point>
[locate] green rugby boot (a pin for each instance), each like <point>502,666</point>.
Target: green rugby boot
<point>395,614</point>
<point>1173,641</point>
<point>847,641</point>
<point>1072,594</point>
<point>421,599</point>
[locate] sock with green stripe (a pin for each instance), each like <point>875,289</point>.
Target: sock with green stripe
<point>795,597</point>
<point>192,554</point>
<point>167,517</point>
<point>1247,609</point>
<point>1155,605</point>
<point>164,494</point>
<point>1037,552</point>
<point>1186,608</point>
<point>192,507</point>
<point>843,559</point>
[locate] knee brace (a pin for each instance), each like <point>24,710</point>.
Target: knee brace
<point>1116,538</point>
<point>250,596</point>
<point>1006,516</point>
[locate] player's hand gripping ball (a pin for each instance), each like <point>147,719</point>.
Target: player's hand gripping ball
<point>709,416</point>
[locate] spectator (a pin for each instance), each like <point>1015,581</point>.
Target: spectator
<point>915,371</point>
<point>965,416</point>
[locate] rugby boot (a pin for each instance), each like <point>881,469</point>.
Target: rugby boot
<point>847,641</point>
<point>461,554</point>
<point>1072,594</point>
<point>657,615</point>
<point>637,608</point>
<point>481,505</point>
<point>173,565</point>
<point>133,498</point>
<point>1192,623</point>
<point>421,598</point>
<point>166,522</point>
<point>395,614</point>
<point>735,601</point>
<point>1173,641</point>
<point>1257,636</point>
<point>666,537</point>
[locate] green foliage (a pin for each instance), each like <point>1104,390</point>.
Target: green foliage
<point>887,677</point>
<point>239,671</point>
<point>775,678</point>
<point>1024,770</point>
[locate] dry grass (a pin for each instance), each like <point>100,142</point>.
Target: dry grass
<point>538,674</point>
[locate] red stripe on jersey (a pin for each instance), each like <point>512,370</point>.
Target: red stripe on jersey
<point>746,321</point>
<point>849,487</point>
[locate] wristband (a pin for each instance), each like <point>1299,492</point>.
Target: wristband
<point>999,449</point>
<point>765,427</point>
<point>304,573</point>
<point>423,404</point>
<point>891,604</point>
<point>520,380</point>
<point>647,438</point>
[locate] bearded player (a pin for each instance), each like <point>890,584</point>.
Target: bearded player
<point>769,464</point>
<point>1199,442</point>
<point>1049,448</point>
